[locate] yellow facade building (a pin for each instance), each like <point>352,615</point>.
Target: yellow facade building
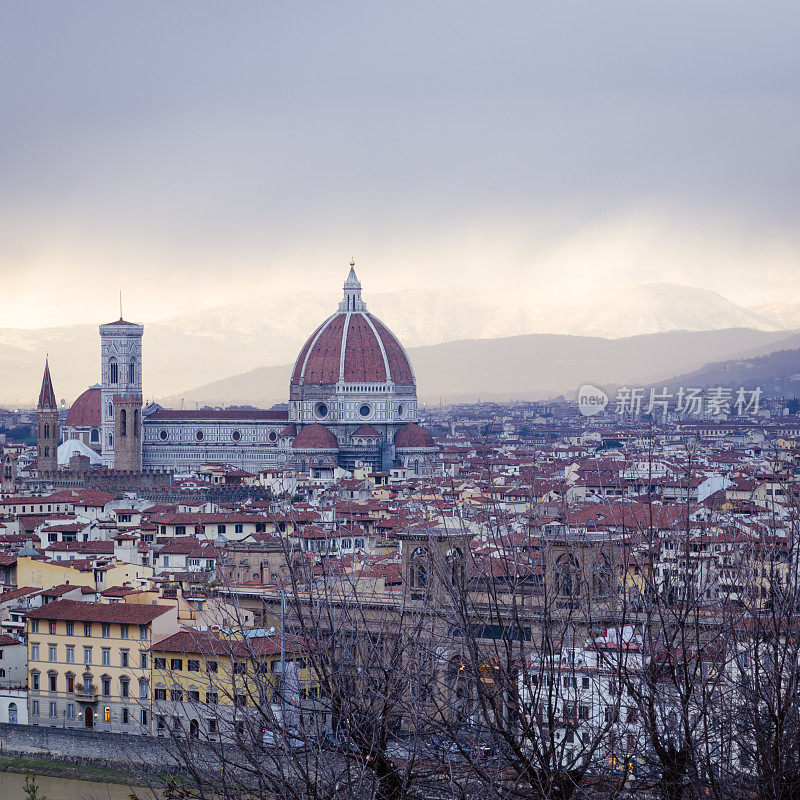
<point>204,682</point>
<point>89,664</point>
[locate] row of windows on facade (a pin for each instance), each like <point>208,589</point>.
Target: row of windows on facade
<point>162,695</point>
<point>94,435</point>
<point>180,530</point>
<point>212,726</point>
<point>212,667</point>
<point>74,684</point>
<point>88,656</point>
<point>200,435</point>
<point>88,628</point>
<point>68,712</point>
<point>113,371</point>
<point>248,456</point>
<point>323,545</point>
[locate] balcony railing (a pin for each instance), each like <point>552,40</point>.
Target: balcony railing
<point>86,694</point>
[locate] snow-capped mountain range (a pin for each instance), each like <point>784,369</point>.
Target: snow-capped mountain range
<point>207,345</point>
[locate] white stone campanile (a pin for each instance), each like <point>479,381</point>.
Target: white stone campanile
<point>121,381</point>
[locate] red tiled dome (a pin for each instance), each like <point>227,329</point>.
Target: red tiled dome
<point>85,411</point>
<point>372,353</point>
<point>365,430</point>
<point>315,437</point>
<point>412,435</point>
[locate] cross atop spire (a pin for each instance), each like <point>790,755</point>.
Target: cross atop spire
<point>47,397</point>
<point>352,292</point>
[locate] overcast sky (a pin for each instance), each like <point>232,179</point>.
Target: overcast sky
<point>196,153</point>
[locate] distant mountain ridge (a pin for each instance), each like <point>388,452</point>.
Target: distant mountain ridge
<point>534,366</point>
<point>777,374</point>
<point>208,345</point>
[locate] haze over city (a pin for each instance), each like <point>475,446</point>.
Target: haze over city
<point>194,156</point>
<point>400,401</point>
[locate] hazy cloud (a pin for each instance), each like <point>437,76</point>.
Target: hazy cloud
<point>193,153</point>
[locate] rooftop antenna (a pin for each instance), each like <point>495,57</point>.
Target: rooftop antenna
<point>120,303</point>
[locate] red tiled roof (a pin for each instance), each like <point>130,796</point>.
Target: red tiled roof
<point>315,437</point>
<point>365,430</point>
<point>85,411</point>
<point>132,614</point>
<point>90,548</point>
<point>414,436</point>
<point>204,642</point>
<point>22,591</point>
<point>372,353</point>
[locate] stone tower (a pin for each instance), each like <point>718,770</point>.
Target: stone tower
<point>8,485</point>
<point>121,394</point>
<point>47,426</point>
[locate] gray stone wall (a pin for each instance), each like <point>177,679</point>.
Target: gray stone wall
<point>83,747</point>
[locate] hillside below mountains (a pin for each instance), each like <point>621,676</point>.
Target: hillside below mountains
<point>210,345</point>
<point>535,366</point>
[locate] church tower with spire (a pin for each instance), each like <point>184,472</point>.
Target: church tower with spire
<point>47,426</point>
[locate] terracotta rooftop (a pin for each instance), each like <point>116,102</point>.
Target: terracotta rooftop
<point>124,613</point>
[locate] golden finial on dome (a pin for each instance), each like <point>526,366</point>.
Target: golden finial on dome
<point>352,261</point>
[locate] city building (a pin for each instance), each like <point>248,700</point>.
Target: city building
<point>89,663</point>
<point>352,400</point>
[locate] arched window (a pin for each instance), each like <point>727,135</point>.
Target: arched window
<point>419,568</point>
<point>416,467</point>
<point>110,439</point>
<point>110,410</point>
<point>12,713</point>
<point>46,451</point>
<point>94,436</point>
<point>46,431</point>
<point>568,576</point>
<point>602,577</point>
<point>123,422</point>
<point>113,371</point>
<point>455,561</point>
<point>132,371</point>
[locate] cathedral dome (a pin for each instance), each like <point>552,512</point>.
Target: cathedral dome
<point>352,346</point>
<point>85,411</point>
<point>413,436</point>
<point>315,437</point>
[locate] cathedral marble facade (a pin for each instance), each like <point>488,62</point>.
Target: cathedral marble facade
<point>352,399</point>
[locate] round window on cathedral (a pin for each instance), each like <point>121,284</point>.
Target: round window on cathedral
<point>236,436</point>
<point>199,436</point>
<point>162,434</point>
<point>272,436</point>
<point>321,410</point>
<point>364,410</point>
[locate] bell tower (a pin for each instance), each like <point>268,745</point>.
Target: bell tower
<point>121,394</point>
<point>8,483</point>
<point>47,426</point>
